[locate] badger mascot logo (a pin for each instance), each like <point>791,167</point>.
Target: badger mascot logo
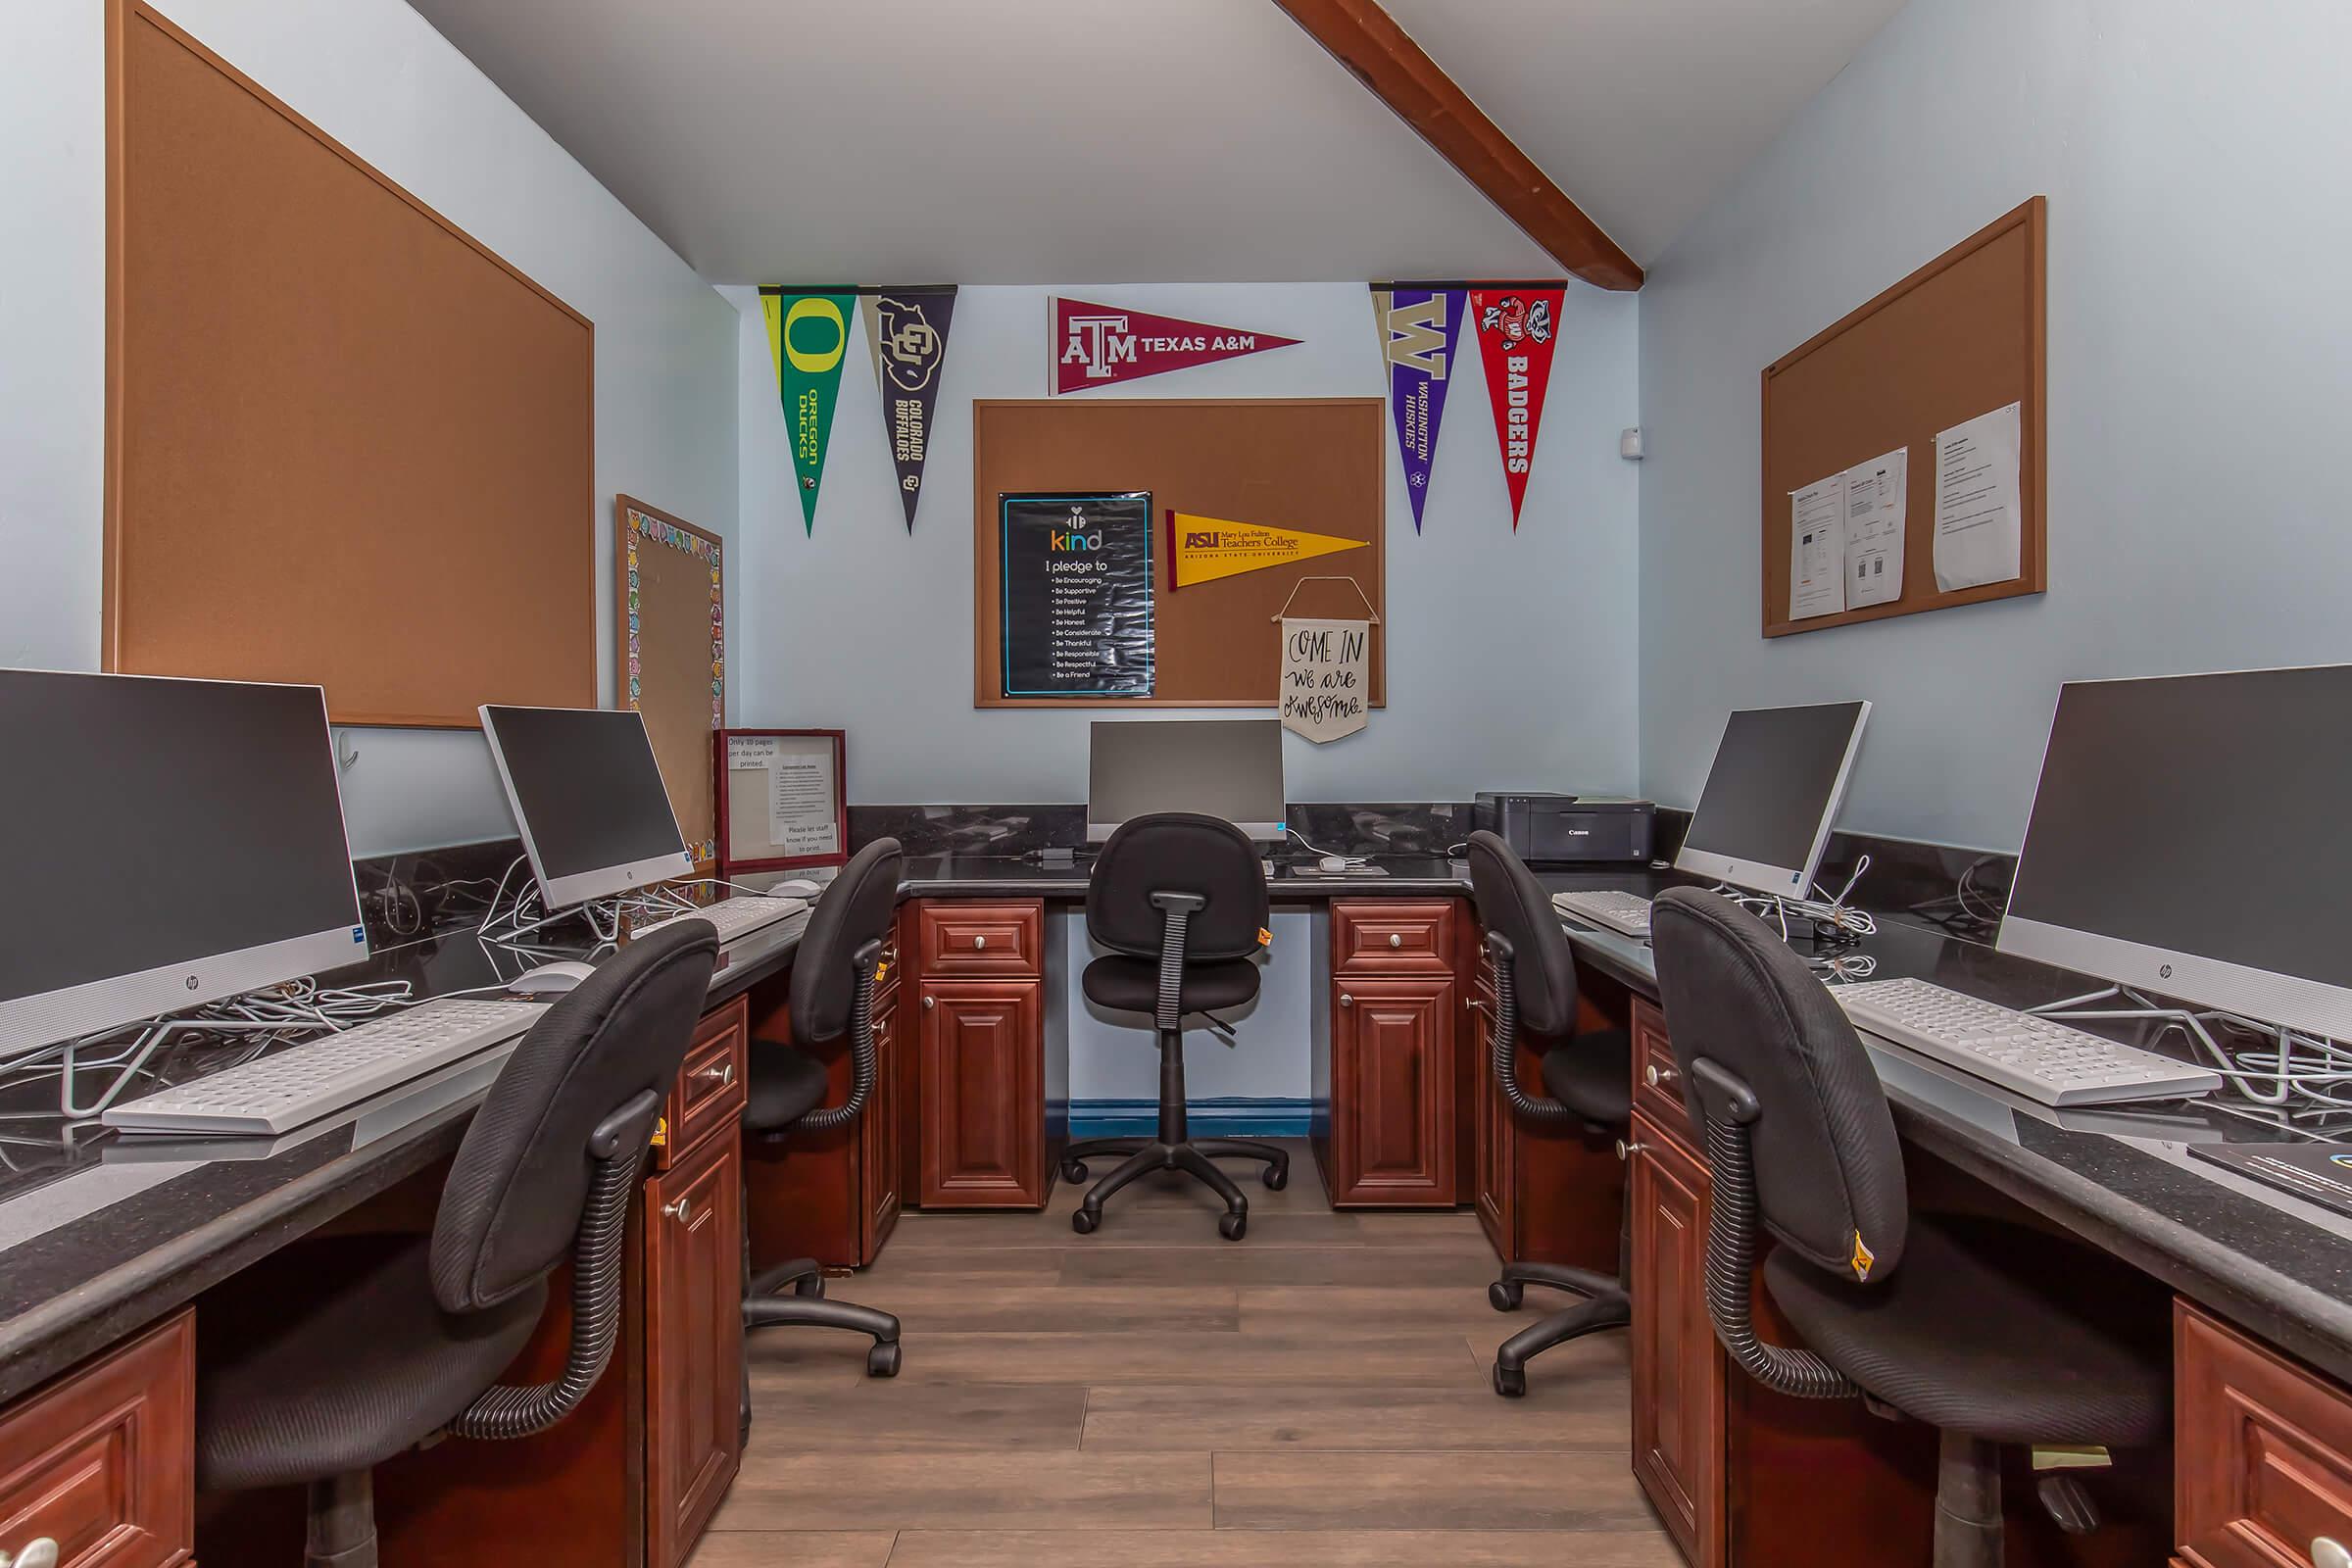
<point>1515,319</point>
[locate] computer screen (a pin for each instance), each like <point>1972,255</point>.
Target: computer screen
<point>1228,768</point>
<point>169,842</point>
<point>2189,836</point>
<point>1773,794</point>
<point>588,796</point>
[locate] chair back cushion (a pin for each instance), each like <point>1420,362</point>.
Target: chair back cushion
<point>857,907</point>
<point>513,1201</point>
<point>1511,902</point>
<point>1177,851</point>
<point>1828,1169</point>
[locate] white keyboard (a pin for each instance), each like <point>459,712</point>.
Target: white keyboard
<point>2036,1057</point>
<point>733,916</point>
<point>301,1083</point>
<point>1626,913</point>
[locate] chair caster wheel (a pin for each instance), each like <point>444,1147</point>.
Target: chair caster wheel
<point>1503,1296</point>
<point>1511,1381</point>
<point>809,1287</point>
<point>1073,1170</point>
<point>1083,1221</point>
<point>882,1361</point>
<point>1231,1226</point>
<point>1276,1177</point>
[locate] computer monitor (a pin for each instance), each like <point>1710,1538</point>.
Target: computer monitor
<point>1228,768</point>
<point>169,843</point>
<point>2189,836</point>
<point>1773,794</point>
<point>588,798</point>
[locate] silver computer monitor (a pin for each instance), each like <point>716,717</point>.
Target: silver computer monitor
<point>1228,768</point>
<point>588,798</point>
<point>167,843</point>
<point>2189,836</point>
<point>1773,794</point>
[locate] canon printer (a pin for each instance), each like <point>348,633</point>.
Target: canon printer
<point>1540,826</point>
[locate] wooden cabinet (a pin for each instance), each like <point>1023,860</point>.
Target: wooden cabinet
<point>712,1083</point>
<point>878,1135</point>
<point>980,1068</point>
<point>694,1336</point>
<point>1394,936</point>
<point>2263,1452</point>
<point>100,1460</point>
<point>1494,1144</point>
<point>980,940</point>
<point>1392,1083</point>
<point>1678,1367</point>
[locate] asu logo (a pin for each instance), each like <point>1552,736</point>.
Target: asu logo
<point>1201,541</point>
<point>911,346</point>
<point>1518,321</point>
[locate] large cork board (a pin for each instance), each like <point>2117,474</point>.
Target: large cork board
<point>673,646</point>
<point>1315,465</point>
<point>346,444</point>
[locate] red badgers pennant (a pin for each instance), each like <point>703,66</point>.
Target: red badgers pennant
<point>1516,333</point>
<point>1101,345</point>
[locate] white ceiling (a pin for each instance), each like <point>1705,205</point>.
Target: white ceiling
<point>1043,141</point>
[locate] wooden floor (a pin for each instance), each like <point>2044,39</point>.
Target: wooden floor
<point>1315,1394</point>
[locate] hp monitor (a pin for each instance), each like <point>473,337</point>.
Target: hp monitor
<point>2189,836</point>
<point>588,798</point>
<point>1773,794</point>
<point>1228,768</point>
<point>169,843</point>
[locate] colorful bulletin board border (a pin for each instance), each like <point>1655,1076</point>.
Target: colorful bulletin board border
<point>643,529</point>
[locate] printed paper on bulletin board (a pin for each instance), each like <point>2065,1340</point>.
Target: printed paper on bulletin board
<point>672,644</point>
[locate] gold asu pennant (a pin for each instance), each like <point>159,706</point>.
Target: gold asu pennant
<point>1204,549</point>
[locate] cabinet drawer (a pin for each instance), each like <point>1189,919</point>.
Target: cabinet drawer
<point>709,1091</point>
<point>2263,1451</point>
<point>100,1461</point>
<point>1657,1080</point>
<point>1005,940</point>
<point>1393,936</point>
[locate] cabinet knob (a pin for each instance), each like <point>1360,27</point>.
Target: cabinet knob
<point>682,1211</point>
<point>1396,939</point>
<point>1655,1075</point>
<point>2328,1553</point>
<point>1626,1151</point>
<point>979,942</point>
<point>1347,1001</point>
<point>725,1072</point>
<point>930,1002</point>
<point>41,1553</point>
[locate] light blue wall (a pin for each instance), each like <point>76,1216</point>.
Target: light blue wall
<point>2197,159</point>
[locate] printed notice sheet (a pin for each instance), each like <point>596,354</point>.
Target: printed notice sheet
<point>1978,523</point>
<point>1817,549</point>
<point>1876,509</point>
<point>800,789</point>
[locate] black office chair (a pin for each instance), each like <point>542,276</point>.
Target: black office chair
<point>832,993</point>
<point>1180,900</point>
<point>330,1356</point>
<point>1590,1075</point>
<point>1989,1332</point>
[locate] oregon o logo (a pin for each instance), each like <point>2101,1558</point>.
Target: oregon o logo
<point>822,310</point>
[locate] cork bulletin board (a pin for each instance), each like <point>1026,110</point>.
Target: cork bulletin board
<point>673,646</point>
<point>1960,337</point>
<point>345,443</point>
<point>1313,464</point>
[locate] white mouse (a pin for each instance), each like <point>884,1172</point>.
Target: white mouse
<point>550,979</point>
<point>1334,862</point>
<point>796,888</point>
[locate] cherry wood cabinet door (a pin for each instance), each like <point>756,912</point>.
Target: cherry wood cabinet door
<point>1678,1368</point>
<point>1392,1080</point>
<point>693,1337</point>
<point>981,1080</point>
<point>100,1460</point>
<point>878,1135</point>
<point>1495,1134</point>
<point>2262,1451</point>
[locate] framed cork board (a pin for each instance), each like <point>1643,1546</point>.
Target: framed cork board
<point>1959,338</point>
<point>345,443</point>
<point>673,646</point>
<point>1308,464</point>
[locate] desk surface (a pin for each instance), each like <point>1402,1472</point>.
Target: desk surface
<point>98,1234</point>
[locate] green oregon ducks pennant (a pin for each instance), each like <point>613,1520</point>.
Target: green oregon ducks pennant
<point>808,335</point>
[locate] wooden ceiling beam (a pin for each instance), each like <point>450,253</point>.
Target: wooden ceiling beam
<point>1367,40</point>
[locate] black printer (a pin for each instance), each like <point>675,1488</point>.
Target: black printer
<point>1540,826</point>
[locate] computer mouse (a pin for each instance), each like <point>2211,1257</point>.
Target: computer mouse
<point>1333,862</point>
<point>550,979</point>
<point>796,888</point>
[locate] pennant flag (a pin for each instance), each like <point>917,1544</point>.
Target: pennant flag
<point>1420,334</point>
<point>1101,345</point>
<point>1516,333</point>
<point>1204,549</point>
<point>806,336</point>
<point>907,334</point>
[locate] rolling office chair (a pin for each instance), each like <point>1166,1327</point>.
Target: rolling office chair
<point>330,1356</point>
<point>1591,1077</point>
<point>1992,1333</point>
<point>1180,900</point>
<point>832,993</point>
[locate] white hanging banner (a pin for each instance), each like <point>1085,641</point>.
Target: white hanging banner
<point>1326,684</point>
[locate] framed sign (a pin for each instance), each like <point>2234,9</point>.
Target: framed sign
<point>1076,570</point>
<point>783,799</point>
